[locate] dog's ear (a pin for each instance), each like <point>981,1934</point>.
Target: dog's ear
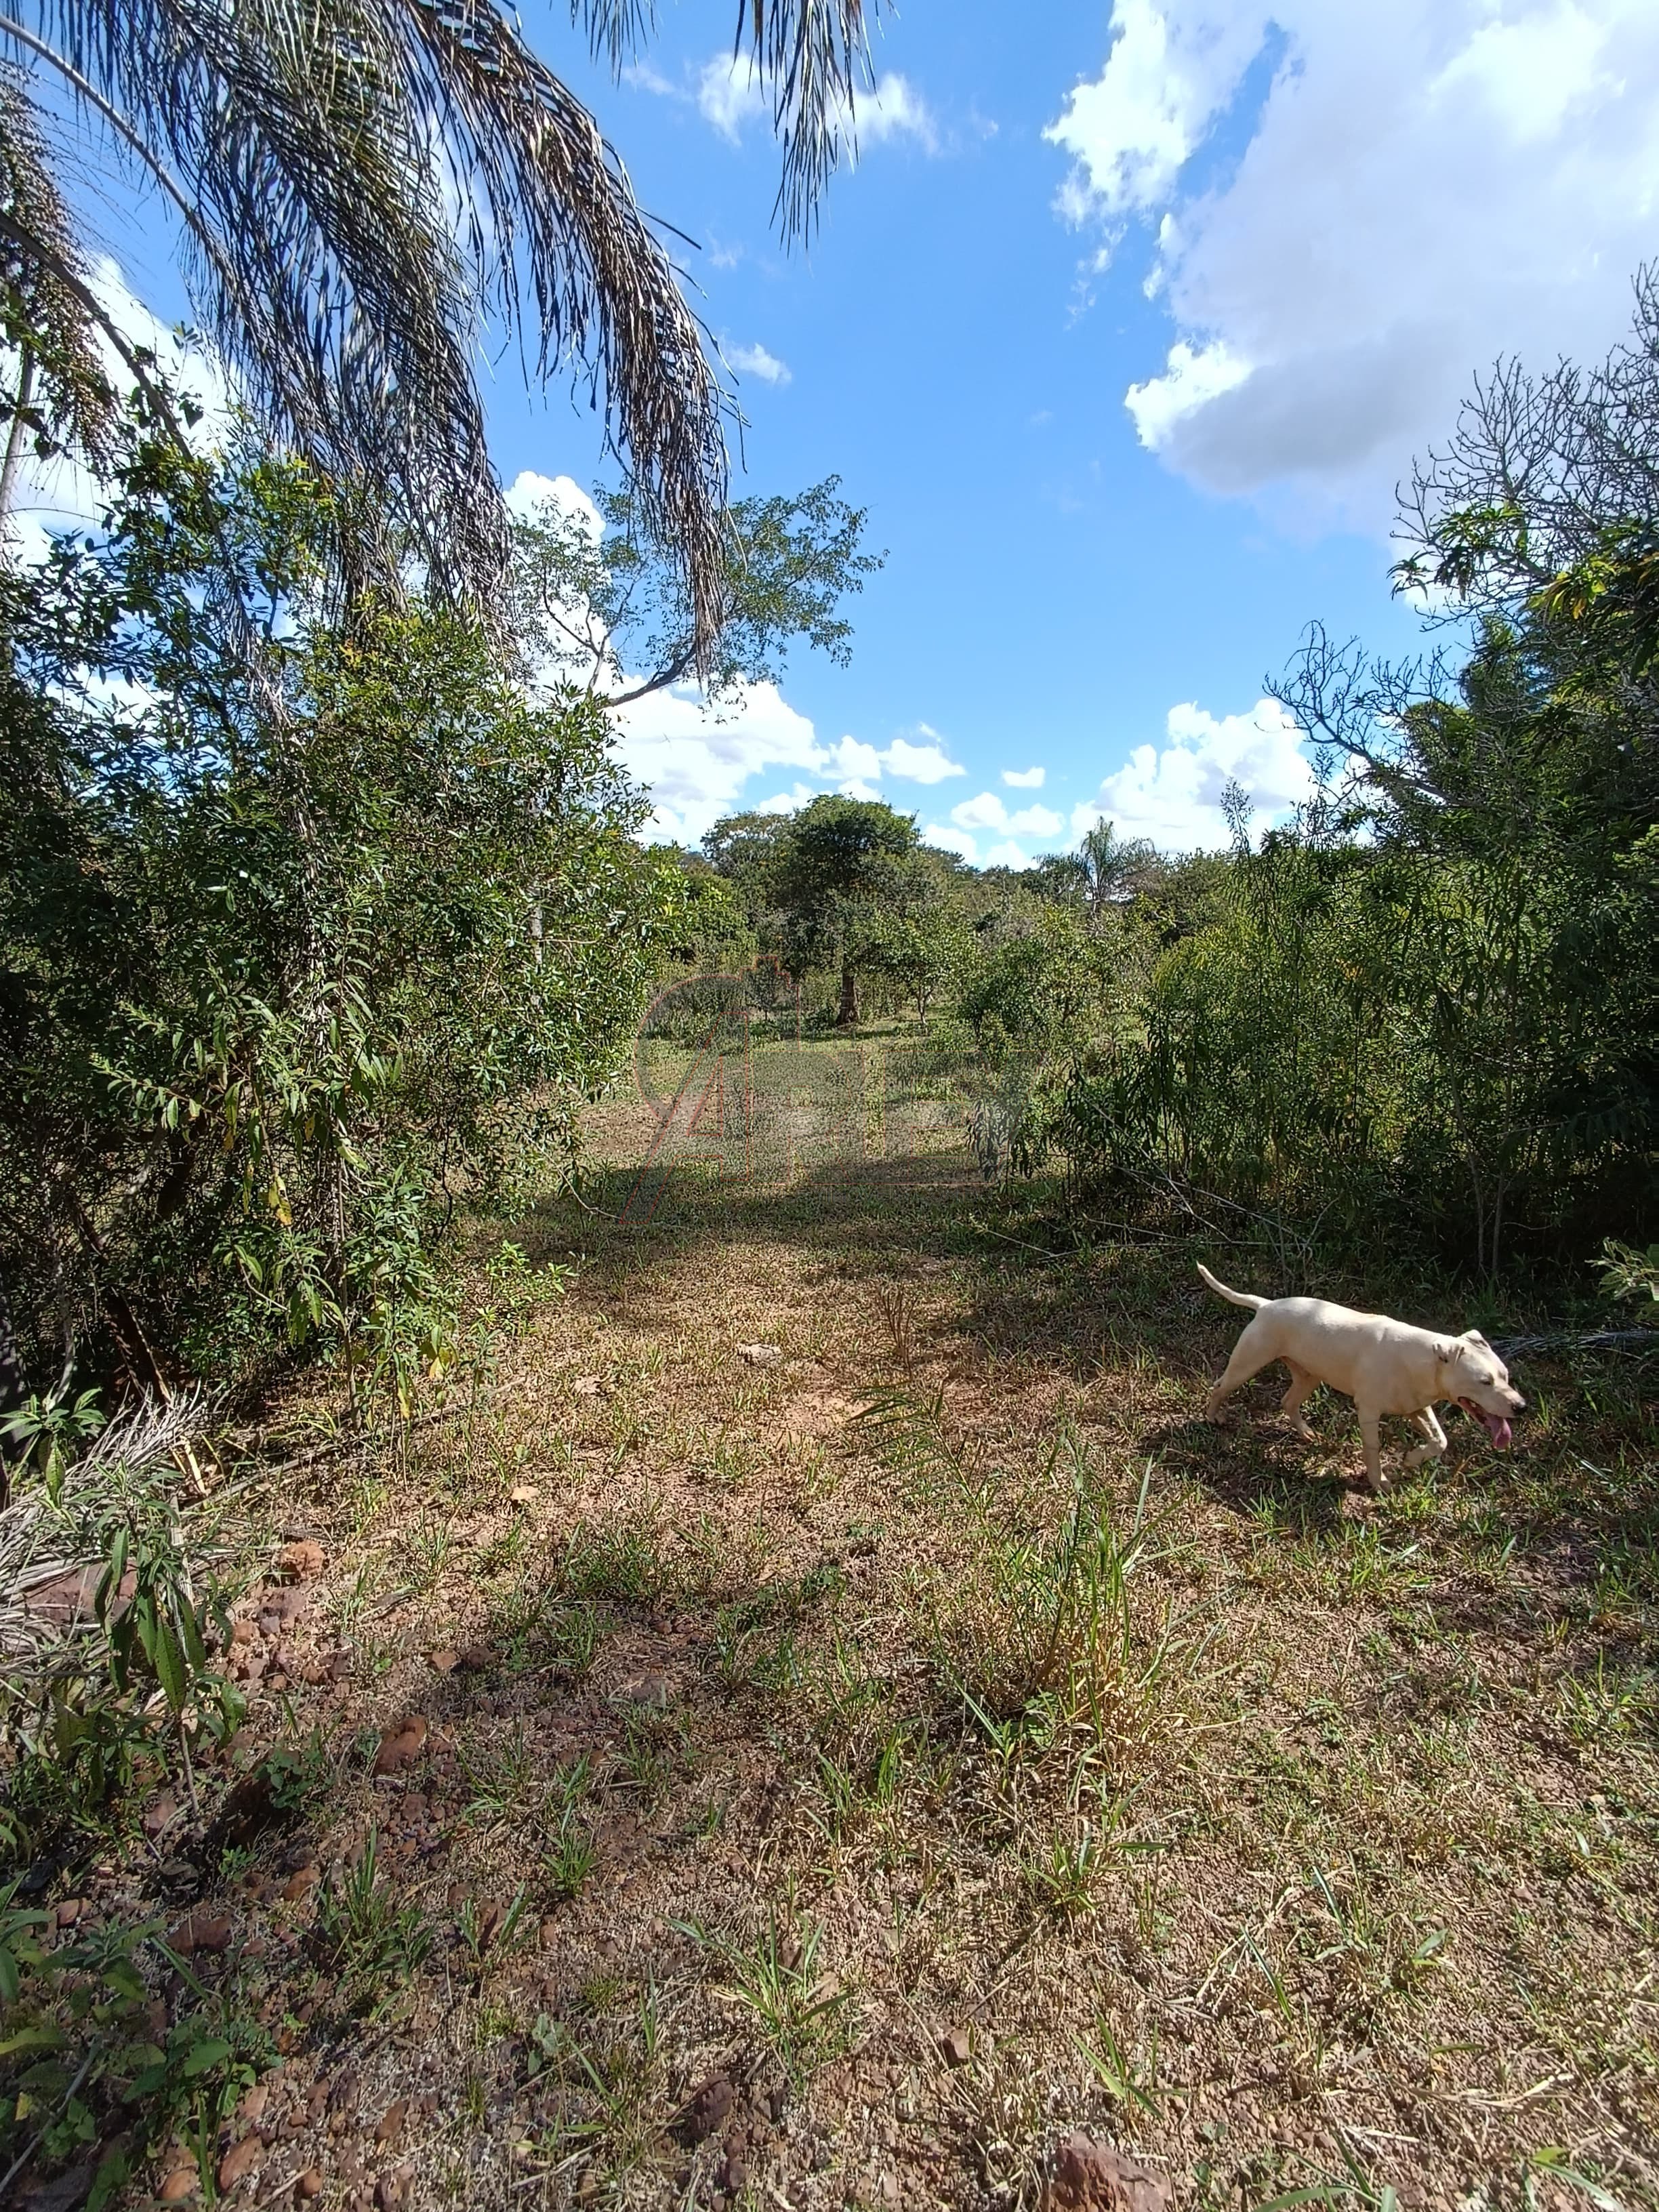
<point>1473,1336</point>
<point>1447,1350</point>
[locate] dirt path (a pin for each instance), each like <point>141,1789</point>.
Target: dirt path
<point>773,1806</point>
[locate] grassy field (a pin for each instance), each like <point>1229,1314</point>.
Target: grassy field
<point>843,1719</point>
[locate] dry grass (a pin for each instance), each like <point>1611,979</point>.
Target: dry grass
<point>1294,1844</point>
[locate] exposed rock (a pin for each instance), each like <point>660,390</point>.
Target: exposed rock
<point>958,2046</point>
<point>1090,2176</point>
<point>302,1562</point>
<point>204,1929</point>
<point>391,2122</point>
<point>401,1745</point>
<point>308,2185</point>
<point>760,1355</point>
<point>524,1493</point>
<point>183,2182</point>
<point>445,1662</point>
<point>239,2160</point>
<point>709,2110</point>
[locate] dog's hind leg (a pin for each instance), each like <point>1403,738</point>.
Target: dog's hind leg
<point>1303,1384</point>
<point>1429,1421</point>
<point>1249,1356</point>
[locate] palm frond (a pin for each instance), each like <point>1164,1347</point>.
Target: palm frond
<point>377,185</point>
<point>42,279</point>
<point>809,58</point>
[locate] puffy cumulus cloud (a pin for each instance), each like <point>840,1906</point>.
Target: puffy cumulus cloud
<point>530,492</point>
<point>962,842</point>
<point>695,767</point>
<point>1024,778</point>
<point>1422,185</point>
<point>924,763</point>
<point>987,812</point>
<point>695,761</point>
<point>754,361</point>
<point>1172,792</point>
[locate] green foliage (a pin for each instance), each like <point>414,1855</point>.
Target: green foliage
<point>315,929</point>
<point>594,602</point>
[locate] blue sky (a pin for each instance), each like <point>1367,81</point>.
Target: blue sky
<point>1122,329</point>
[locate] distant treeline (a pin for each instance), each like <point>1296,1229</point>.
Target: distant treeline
<point>1428,1010</point>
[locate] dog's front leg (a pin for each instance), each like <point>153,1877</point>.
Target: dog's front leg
<point>1429,1422</point>
<point>1370,1429</point>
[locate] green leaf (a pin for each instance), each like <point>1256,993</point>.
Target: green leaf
<point>213,2053</point>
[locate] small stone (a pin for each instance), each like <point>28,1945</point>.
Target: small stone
<point>650,1690</point>
<point>708,2112</point>
<point>957,2045</point>
<point>400,1746</point>
<point>445,1662</point>
<point>887,2189</point>
<point>71,1911</point>
<point>391,2122</point>
<point>302,1562</point>
<point>239,2160</point>
<point>392,2189</point>
<point>760,1355</point>
<point>524,1493</point>
<point>308,2185</point>
<point>213,1930</point>
<point>184,2181</point>
<point>1090,2176</point>
<point>298,1883</point>
<point>242,1632</point>
<point>474,1658</point>
<point>252,2110</point>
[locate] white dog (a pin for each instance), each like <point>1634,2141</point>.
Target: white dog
<point>1385,1366</point>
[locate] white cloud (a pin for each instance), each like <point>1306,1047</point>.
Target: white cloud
<point>1007,855</point>
<point>531,491</point>
<point>1024,779</point>
<point>696,767</point>
<point>729,95</point>
<point>59,495</point>
<point>1423,186</point>
<point>926,763</point>
<point>893,110</point>
<point>950,840</point>
<point>754,361</point>
<point>1172,793</point>
<point>696,761</point>
<point>987,812</point>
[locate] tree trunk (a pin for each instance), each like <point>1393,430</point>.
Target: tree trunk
<point>847,1017</point>
<point>14,441</point>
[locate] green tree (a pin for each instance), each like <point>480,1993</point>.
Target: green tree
<point>291,970</point>
<point>614,613</point>
<point>824,871</point>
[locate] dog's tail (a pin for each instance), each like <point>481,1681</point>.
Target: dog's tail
<point>1235,1297</point>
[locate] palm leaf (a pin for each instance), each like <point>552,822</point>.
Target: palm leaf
<point>809,57</point>
<point>374,188</point>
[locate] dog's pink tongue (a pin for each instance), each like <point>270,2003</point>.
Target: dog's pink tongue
<point>1499,1429</point>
